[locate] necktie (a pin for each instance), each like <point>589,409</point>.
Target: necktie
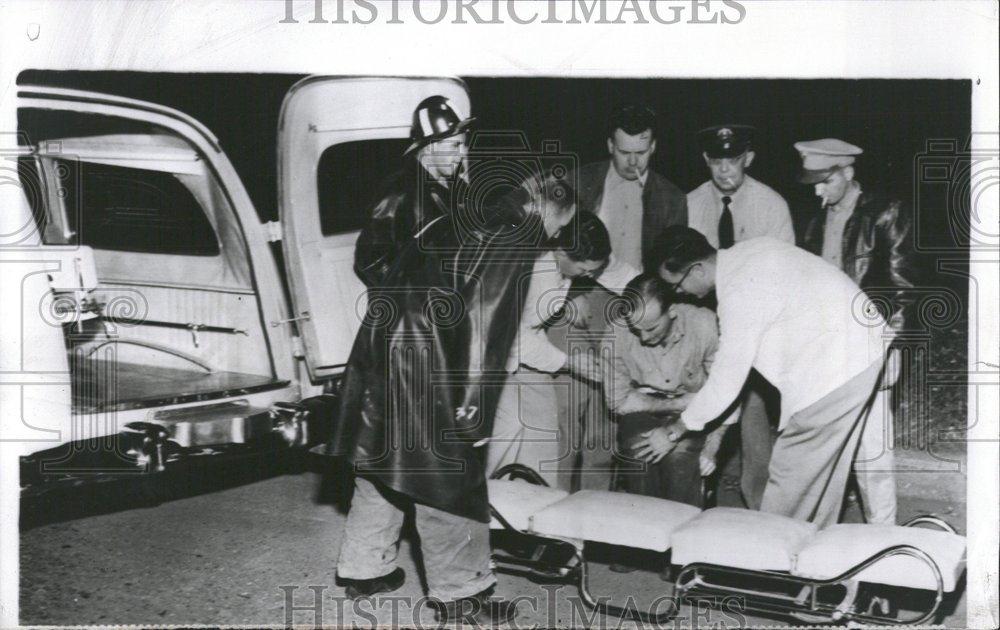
<point>726,225</point>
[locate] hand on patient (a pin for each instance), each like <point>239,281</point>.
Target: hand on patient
<point>655,444</point>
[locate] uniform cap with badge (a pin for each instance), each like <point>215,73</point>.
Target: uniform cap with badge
<point>726,141</point>
<point>821,158</point>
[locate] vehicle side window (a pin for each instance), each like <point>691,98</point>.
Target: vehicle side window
<point>349,176</point>
<point>136,210</point>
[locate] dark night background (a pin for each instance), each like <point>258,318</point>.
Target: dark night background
<point>892,120</point>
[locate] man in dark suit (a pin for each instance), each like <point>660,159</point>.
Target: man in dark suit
<point>634,202</point>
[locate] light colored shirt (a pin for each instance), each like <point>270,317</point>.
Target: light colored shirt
<point>546,294</point>
<point>833,234</point>
<point>792,317</point>
<point>678,366</point>
<point>757,211</point>
<point>833,228</point>
<point>621,214</point>
<point>616,275</point>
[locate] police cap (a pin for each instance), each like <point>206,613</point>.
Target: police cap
<point>723,141</point>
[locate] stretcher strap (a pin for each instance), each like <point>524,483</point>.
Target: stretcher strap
<point>519,471</point>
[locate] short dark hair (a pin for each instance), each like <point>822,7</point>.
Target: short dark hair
<point>558,193</point>
<point>584,238</point>
<point>632,118</point>
<point>643,288</point>
<point>548,190</point>
<point>679,246</point>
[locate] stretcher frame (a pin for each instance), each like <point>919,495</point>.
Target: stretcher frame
<point>802,598</point>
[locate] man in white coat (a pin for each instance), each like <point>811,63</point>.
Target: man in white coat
<point>791,316</point>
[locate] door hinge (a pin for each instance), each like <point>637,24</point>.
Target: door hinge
<point>273,231</point>
<point>298,348</point>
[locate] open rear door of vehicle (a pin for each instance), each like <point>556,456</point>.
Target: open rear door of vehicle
<point>339,138</point>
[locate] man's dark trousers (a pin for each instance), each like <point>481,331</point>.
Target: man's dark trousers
<point>760,402</point>
<point>676,477</point>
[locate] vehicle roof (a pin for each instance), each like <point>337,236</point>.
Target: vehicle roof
<point>149,151</point>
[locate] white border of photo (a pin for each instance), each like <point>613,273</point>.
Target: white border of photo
<point>748,38</point>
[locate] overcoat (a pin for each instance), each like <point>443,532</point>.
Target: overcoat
<point>422,382</point>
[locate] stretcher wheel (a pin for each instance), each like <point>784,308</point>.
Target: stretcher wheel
<point>882,607</point>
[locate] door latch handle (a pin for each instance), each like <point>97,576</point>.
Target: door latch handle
<point>303,317</point>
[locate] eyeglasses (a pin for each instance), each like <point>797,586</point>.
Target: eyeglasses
<point>675,287</point>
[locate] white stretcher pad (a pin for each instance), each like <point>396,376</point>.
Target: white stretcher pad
<point>517,501</point>
<point>743,539</point>
<point>729,537</point>
<point>839,547</point>
<point>614,518</point>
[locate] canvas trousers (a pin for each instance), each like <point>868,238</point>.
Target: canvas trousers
<point>814,453</point>
<point>874,463</point>
<point>455,549</point>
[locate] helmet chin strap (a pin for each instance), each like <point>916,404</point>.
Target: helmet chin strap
<point>434,170</point>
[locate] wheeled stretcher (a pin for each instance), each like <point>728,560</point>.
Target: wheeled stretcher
<point>773,564</point>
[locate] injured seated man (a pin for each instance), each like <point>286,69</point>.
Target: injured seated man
<point>654,370</point>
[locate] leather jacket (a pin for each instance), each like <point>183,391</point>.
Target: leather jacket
<point>876,250</point>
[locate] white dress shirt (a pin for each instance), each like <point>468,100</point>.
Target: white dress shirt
<point>621,213</point>
<point>795,319</point>
<point>616,275</point>
<point>757,211</point>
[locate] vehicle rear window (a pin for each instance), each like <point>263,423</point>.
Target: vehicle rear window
<point>136,210</point>
<point>349,177</point>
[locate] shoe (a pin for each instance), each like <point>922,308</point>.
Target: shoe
<point>366,588</point>
<point>618,567</point>
<point>478,610</point>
